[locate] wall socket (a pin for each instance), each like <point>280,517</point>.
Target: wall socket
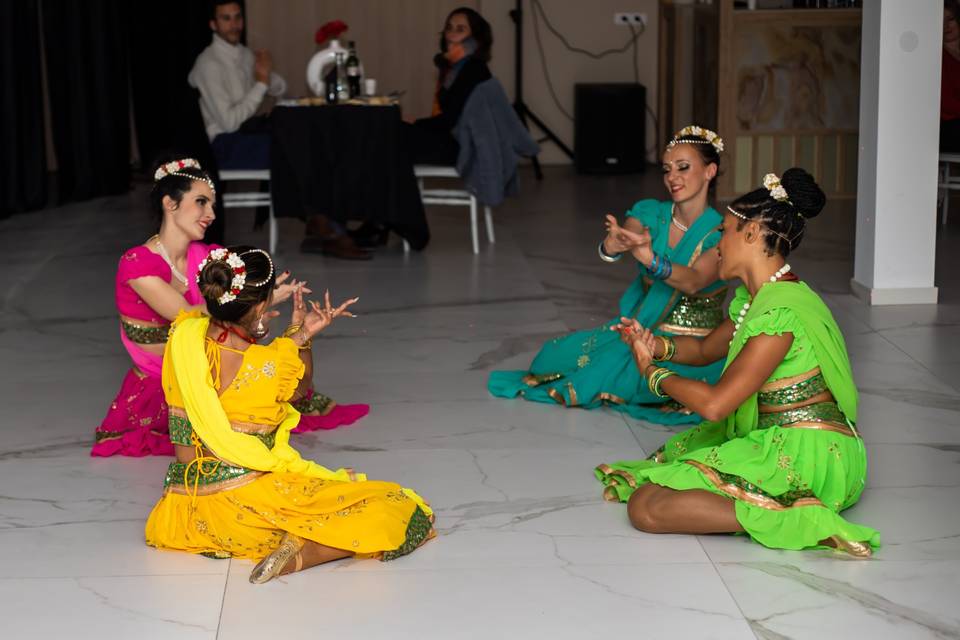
<point>638,20</point>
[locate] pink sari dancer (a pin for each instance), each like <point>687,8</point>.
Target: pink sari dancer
<point>151,289</point>
<point>136,422</point>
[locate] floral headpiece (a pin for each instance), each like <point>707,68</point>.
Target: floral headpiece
<point>174,169</point>
<point>330,31</point>
<point>777,192</point>
<point>239,267</point>
<point>706,137</point>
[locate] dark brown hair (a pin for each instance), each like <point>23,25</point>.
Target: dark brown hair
<point>480,31</point>
<point>785,219</point>
<point>217,275</point>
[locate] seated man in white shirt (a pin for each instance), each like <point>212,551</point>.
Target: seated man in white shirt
<point>233,81</point>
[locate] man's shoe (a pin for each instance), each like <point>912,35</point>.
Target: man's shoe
<point>370,236</point>
<point>337,247</point>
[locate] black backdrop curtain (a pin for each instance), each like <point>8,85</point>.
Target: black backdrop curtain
<point>166,109</point>
<point>86,52</point>
<point>23,180</point>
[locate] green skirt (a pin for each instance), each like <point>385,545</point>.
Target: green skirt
<point>790,483</point>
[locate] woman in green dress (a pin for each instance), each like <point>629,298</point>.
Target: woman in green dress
<point>779,455</point>
<point>677,292</point>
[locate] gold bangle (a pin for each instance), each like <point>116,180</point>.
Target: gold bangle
<point>292,329</point>
<point>669,349</point>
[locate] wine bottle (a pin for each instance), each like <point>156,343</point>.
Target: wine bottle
<point>353,71</point>
<point>343,92</point>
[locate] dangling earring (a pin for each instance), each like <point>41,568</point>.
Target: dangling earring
<point>261,331</point>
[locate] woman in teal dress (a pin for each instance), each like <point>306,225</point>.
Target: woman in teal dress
<point>676,292</point>
<point>779,456</point>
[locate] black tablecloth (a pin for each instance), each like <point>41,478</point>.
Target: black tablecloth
<point>346,162</point>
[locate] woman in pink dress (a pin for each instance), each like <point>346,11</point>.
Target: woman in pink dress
<point>153,284</point>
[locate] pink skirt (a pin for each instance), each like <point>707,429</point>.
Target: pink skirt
<point>136,423</point>
<point>330,414</point>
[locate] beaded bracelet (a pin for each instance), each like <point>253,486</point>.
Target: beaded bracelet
<point>606,257</point>
<point>656,377</point>
<point>669,349</point>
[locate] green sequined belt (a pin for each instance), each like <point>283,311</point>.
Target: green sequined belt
<point>695,316</point>
<point>817,412</point>
<point>797,389</point>
<point>145,335</point>
<point>181,430</point>
<point>208,477</point>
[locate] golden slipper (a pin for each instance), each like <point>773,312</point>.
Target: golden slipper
<point>270,567</point>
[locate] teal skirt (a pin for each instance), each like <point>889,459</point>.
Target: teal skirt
<point>592,368</point>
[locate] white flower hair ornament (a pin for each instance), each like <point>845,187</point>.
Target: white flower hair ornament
<point>706,137</point>
<point>777,192</point>
<point>238,266</point>
<point>175,168</point>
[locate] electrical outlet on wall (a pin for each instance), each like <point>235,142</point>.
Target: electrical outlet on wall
<point>638,20</point>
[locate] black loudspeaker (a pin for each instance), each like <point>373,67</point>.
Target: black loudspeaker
<point>609,128</point>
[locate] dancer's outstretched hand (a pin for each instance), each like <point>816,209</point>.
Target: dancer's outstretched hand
<point>299,308</point>
<point>640,340</point>
<point>283,289</point>
<point>320,317</point>
<point>626,239</point>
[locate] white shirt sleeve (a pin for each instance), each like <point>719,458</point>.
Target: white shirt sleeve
<point>228,115</point>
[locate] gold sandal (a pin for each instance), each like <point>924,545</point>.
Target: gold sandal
<point>271,566</point>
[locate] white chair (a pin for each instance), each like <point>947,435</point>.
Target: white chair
<point>252,199</point>
<point>452,197</point>
<point>946,183</point>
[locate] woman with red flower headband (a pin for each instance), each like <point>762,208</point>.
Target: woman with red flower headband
<point>152,286</point>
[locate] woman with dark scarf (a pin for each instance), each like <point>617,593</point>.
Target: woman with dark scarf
<point>465,44</point>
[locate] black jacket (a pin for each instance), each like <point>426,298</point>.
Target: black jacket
<point>452,100</point>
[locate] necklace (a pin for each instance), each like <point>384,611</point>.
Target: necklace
<point>166,258</point>
<point>782,271</point>
<point>677,223</point>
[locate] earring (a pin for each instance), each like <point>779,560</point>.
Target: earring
<point>261,331</point>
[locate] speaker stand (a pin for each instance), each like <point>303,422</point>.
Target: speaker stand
<point>523,111</point>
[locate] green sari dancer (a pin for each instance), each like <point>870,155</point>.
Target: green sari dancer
<point>779,456</point>
<point>677,292</point>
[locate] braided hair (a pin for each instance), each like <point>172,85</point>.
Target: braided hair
<point>785,219</point>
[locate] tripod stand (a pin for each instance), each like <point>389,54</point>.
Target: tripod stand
<point>523,111</point>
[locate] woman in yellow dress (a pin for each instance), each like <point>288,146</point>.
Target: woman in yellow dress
<point>237,488</point>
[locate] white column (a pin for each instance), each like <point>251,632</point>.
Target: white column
<point>899,134</point>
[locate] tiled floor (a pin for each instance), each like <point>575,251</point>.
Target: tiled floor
<point>527,549</point>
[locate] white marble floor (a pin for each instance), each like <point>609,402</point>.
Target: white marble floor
<point>527,549</point>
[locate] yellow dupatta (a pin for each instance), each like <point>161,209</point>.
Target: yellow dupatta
<point>186,357</point>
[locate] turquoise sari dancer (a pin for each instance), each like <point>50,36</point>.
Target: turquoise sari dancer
<point>676,292</point>
<point>591,368</point>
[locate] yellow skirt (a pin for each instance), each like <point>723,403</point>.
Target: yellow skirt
<point>241,513</point>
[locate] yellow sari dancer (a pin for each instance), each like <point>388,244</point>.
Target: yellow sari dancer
<point>238,489</point>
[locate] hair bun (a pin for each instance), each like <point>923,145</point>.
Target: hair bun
<point>215,280</point>
<point>804,192</point>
